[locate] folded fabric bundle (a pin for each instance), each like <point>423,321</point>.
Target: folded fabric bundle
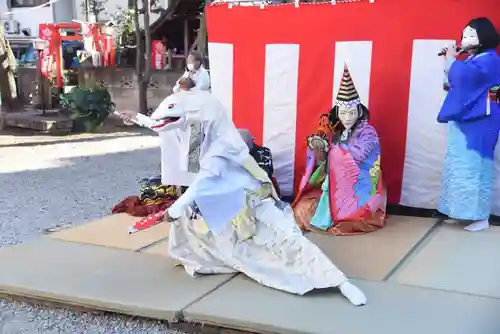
<point>135,207</point>
<point>154,197</point>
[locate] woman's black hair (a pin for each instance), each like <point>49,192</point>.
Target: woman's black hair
<point>488,36</point>
<point>197,56</point>
<point>333,116</point>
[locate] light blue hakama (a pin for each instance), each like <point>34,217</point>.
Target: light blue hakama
<point>473,115</point>
<point>322,218</point>
<point>467,184</point>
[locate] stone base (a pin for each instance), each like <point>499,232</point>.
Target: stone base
<point>53,122</point>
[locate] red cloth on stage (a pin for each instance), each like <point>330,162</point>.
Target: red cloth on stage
<point>133,206</point>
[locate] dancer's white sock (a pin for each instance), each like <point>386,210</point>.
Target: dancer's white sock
<point>353,293</point>
<point>478,226</point>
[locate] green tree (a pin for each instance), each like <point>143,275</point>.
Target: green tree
<point>123,22</point>
<point>93,8</point>
<point>201,42</point>
<point>131,36</point>
<point>143,54</point>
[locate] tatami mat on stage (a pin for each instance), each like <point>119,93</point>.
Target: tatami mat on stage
<point>112,231</point>
<point>374,255</point>
<point>391,309</point>
<point>457,260</point>
<point>142,284</point>
<point>100,278</point>
<point>160,248</point>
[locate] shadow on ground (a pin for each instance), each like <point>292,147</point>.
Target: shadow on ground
<point>21,137</point>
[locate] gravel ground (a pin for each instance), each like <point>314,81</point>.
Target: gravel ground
<point>46,181</point>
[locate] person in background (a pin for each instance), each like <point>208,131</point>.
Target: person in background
<point>196,72</point>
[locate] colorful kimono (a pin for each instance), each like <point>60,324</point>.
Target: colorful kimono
<point>472,112</point>
<point>353,197</point>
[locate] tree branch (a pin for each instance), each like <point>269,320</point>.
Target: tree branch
<point>138,38</point>
<point>157,10</point>
<point>147,41</point>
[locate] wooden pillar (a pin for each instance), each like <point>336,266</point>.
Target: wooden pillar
<point>2,117</point>
<point>169,59</point>
<point>186,37</point>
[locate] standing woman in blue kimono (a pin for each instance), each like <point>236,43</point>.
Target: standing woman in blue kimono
<point>472,111</point>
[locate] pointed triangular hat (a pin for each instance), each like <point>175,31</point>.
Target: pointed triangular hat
<point>347,95</point>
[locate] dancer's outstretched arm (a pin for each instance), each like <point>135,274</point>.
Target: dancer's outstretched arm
<point>130,117</point>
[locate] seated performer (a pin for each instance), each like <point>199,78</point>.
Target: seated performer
<point>195,71</point>
<point>230,220</point>
<point>472,111</point>
<point>341,191</point>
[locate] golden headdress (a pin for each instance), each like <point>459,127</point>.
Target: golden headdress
<point>347,95</point>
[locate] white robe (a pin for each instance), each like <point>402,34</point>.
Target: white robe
<point>243,226</point>
<point>277,256</point>
<point>172,155</point>
<point>174,143</point>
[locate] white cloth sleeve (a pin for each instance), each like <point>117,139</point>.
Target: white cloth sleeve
<point>143,120</point>
<point>203,80</point>
<point>214,168</point>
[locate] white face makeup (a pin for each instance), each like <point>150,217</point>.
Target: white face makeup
<point>469,37</point>
<point>348,116</point>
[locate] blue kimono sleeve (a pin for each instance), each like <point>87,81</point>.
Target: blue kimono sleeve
<point>469,84</point>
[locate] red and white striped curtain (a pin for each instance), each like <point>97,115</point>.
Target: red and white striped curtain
<point>277,68</point>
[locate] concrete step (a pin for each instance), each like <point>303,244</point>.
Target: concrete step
<point>53,122</point>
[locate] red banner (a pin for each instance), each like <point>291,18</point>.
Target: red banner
<point>158,56</point>
<point>45,62</point>
<point>88,29</point>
